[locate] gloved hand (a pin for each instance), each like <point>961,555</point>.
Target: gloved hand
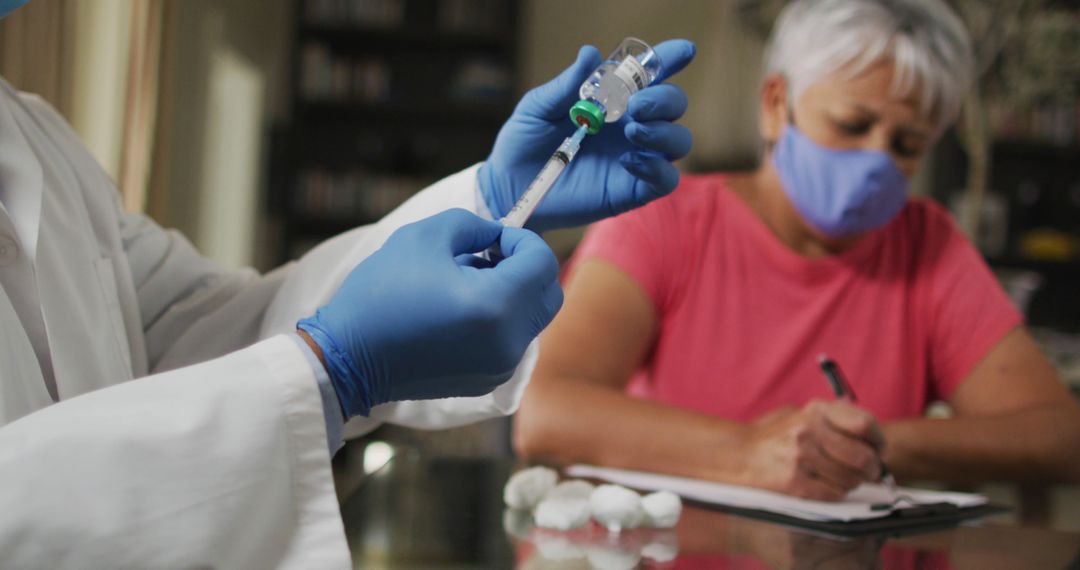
<point>625,165</point>
<point>420,319</point>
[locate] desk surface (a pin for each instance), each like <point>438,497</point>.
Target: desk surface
<point>448,513</point>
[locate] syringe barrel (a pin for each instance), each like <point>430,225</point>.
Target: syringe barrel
<point>534,194</point>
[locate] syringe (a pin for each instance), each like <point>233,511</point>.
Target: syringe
<point>538,189</point>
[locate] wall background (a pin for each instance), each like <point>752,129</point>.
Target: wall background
<point>222,78</point>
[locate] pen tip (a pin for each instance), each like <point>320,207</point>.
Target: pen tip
<point>822,358</point>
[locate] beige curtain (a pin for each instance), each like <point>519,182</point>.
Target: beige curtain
<point>98,64</point>
<point>140,120</point>
<point>35,50</point>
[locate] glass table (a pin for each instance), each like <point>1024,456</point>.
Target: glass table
<point>416,512</point>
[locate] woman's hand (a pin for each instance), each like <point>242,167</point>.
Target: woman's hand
<point>821,451</point>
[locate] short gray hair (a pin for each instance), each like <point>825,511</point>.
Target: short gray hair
<point>926,42</point>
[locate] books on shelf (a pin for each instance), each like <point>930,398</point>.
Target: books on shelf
<point>327,76</point>
<point>481,80</point>
<point>1052,123</point>
<point>357,194</point>
<point>479,17</point>
<point>360,13</point>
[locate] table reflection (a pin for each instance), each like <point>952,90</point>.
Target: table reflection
<point>448,513</point>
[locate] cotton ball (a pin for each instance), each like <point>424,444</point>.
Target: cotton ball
<point>660,552</point>
<point>527,487</point>
<point>610,558</point>
<point>662,509</point>
<point>662,547</point>
<point>562,513</point>
<point>616,507</point>
<point>517,523</point>
<point>573,489</point>
<point>557,548</point>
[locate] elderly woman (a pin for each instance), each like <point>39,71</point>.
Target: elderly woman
<point>689,338</point>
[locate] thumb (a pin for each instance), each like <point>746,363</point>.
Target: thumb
<point>528,258</point>
<point>552,100</point>
<point>456,232</point>
<point>675,55</point>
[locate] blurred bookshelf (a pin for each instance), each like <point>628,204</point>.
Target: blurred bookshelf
<point>388,96</point>
<point>1029,217</point>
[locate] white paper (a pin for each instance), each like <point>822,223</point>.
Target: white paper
<point>855,507</point>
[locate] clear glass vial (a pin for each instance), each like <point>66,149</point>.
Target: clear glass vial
<point>606,93</point>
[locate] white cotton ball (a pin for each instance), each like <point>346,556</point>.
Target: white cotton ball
<point>663,546</point>
<point>517,523</point>
<point>557,548</point>
<point>616,507</point>
<point>527,487</point>
<point>662,509</point>
<point>562,514</point>
<point>608,558</point>
<point>660,551</point>
<point>572,489</point>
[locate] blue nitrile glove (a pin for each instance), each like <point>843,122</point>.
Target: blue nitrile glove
<point>625,165</point>
<point>419,319</point>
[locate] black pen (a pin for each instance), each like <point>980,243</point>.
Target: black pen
<point>842,389</point>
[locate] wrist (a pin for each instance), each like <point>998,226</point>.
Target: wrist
<point>314,346</point>
<point>352,386</point>
<point>731,463</point>
<point>739,469</point>
<point>897,442</point>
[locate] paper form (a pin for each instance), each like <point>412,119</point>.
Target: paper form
<point>855,507</point>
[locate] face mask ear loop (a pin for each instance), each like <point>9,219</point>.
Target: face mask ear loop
<point>770,145</point>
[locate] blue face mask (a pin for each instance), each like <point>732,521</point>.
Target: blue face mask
<point>9,6</point>
<point>841,193</point>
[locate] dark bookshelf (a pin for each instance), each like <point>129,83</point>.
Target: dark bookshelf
<point>387,96</point>
<point>1039,181</point>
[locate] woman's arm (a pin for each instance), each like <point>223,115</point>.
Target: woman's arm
<point>575,409</point>
<point>1015,420</point>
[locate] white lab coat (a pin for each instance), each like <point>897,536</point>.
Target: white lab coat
<point>216,456</point>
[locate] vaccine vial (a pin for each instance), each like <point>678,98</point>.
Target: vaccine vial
<point>606,93</point>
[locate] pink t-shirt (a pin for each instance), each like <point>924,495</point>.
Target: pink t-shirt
<point>907,312</point>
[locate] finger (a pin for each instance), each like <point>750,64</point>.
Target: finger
<point>474,261</point>
<point>455,231</point>
<point>552,100</point>
<point>528,259</point>
<point>855,454</point>
<point>855,421</point>
<point>674,55</point>
<point>671,140</point>
<point>811,486</point>
<point>652,177</point>
<point>664,102</point>
<point>837,474</point>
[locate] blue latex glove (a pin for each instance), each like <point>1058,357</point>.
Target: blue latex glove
<point>9,6</point>
<point>419,319</point>
<point>625,165</point>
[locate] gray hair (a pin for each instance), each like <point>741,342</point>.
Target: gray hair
<point>926,42</point>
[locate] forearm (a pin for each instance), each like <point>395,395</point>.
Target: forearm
<point>1039,444</point>
<point>569,421</point>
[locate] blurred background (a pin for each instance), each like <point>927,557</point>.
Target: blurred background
<point>261,127</point>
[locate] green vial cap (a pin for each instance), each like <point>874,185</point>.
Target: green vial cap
<point>589,114</point>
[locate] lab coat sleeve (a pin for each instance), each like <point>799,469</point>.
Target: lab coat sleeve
<point>317,276</point>
<point>192,309</point>
<point>217,465</point>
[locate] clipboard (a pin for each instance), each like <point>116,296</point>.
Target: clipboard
<point>857,515</point>
<point>902,522</point>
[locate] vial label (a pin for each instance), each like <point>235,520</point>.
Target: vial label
<point>631,72</point>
